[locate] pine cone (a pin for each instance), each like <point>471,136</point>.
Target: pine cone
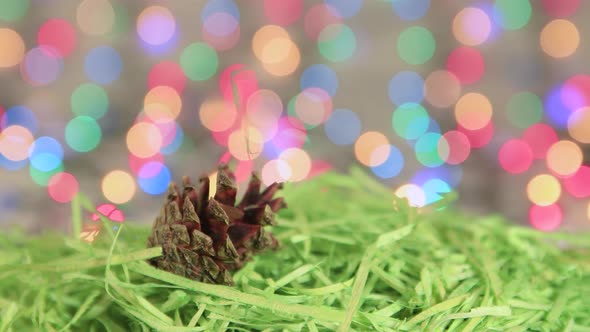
<point>205,239</point>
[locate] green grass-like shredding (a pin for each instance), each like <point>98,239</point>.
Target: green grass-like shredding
<point>350,261</point>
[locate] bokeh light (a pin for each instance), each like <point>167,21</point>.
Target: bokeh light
<point>46,154</point>
<point>276,170</point>
<point>162,104</point>
<point>545,218</point>
<point>343,127</point>
<point>577,184</point>
<point>15,142</point>
<point>524,109</point>
<point>246,143</point>
<point>540,137</point>
<point>578,125</point>
<point>366,144</point>
<point>144,139</point>
<point>467,64</point>
<point>406,87</point>
<point>83,134</point>
<point>320,76</point>
<point>426,150</point>
<point>559,38</point>
<point>63,187</point>
<point>512,14</point>
<point>59,35</point>
<point>393,164</point>
<point>416,45</point>
<point>410,10</point>
<point>21,116</point>
<point>560,8</point>
<point>118,187</point>
<point>454,147</point>
<point>318,17</point>
<point>283,12</point>
<point>90,100</point>
<point>471,26</point>
<point>167,73</point>
<point>337,42</point>
<point>153,178</point>
<point>41,66</point>
<point>412,193</point>
<point>299,163</point>
<point>564,158</point>
<point>410,121</point>
<point>543,190</point>
<point>156,25</point>
<point>13,10</point>
<point>103,65</point>
<point>480,137</point>
<point>473,111</point>
<point>274,48</point>
<point>217,115</point>
<point>442,88</point>
<point>515,156</point>
<point>313,106</point>
<point>95,17</point>
<point>199,61</point>
<point>12,48</point>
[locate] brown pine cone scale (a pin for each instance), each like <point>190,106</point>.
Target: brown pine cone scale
<point>205,239</point>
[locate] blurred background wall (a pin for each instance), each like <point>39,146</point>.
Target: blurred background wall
<point>115,98</point>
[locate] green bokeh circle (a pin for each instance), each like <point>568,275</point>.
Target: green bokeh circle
<point>337,42</point>
<point>524,109</point>
<point>199,61</point>
<point>416,45</point>
<point>90,100</point>
<point>83,134</point>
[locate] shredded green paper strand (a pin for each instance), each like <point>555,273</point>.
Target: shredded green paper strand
<point>350,261</point>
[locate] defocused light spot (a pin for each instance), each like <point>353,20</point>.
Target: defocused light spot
<point>454,147</point>
<point>515,156</point>
<point>471,26</point>
<point>199,61</point>
<point>434,189</point>
<point>263,110</point>
<point>337,42</point>
<point>13,10</point>
<point>156,25</point>
<point>42,177</point>
<point>162,104</point>
<point>557,103</point>
<point>273,46</point>
<point>313,106</point>
<point>512,14</point>
<point>136,163</point>
<point>524,109</point>
<point>167,73</point>
<point>118,187</point>
<point>345,8</point>
<point>559,38</point>
<point>320,76</point>
<point>291,133</point>
<point>413,193</point>
<point>299,162</point>
<point>410,121</point>
<point>442,88</point>
<point>466,64</point>
<point>46,154</point>
<point>473,111</point>
<point>12,48</point>
<point>59,35</point>
<point>560,8</point>
<point>15,142</point>
<point>103,65</point>
<point>564,158</point>
<point>577,184</point>
<point>276,170</point>
<point>41,66</point>
<point>283,12</point>
<point>426,149</point>
<point>246,143</point>
<point>410,10</point>
<point>90,100</point>
<point>543,190</point>
<point>343,127</point>
<point>545,218</point>
<point>21,116</point>
<point>237,83</point>
<point>217,115</point>
<point>318,17</point>
<point>153,178</point>
<point>540,137</point>
<point>406,87</point>
<point>83,134</point>
<point>63,187</point>
<point>366,144</point>
<point>579,125</point>
<point>95,17</point>
<point>575,92</point>
<point>480,137</point>
<point>416,45</point>
<point>172,144</point>
<point>393,164</point>
<point>144,139</point>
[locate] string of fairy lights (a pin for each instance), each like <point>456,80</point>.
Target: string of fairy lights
<point>253,122</point>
